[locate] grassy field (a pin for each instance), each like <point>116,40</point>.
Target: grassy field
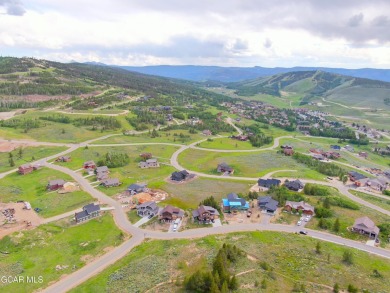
<point>253,165</point>
<point>383,203</point>
<point>57,132</point>
<point>291,259</point>
<point>346,217</point>
<point>130,173</point>
<point>226,143</point>
<point>32,188</point>
<point>188,195</point>
<point>165,136</point>
<point>37,252</point>
<point>29,154</point>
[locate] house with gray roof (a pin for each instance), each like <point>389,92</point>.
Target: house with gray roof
<point>365,226</point>
<point>267,204</point>
<point>233,203</point>
<point>89,211</point>
<point>150,163</point>
<point>147,208</point>
<point>111,182</point>
<point>137,188</point>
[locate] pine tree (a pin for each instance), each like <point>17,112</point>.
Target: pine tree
<point>318,247</point>
<point>336,225</point>
<point>336,288</point>
<point>225,288</point>
<point>11,162</point>
<point>233,284</point>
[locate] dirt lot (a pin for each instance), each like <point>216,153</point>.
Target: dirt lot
<point>241,217</point>
<point>152,195</point>
<point>6,146</point>
<point>21,217</point>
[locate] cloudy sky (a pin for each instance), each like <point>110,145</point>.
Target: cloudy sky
<point>333,33</point>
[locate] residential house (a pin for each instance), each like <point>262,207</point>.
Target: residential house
<point>136,188</point>
<point>267,183</point>
<point>234,203</point>
<point>63,159</point>
<point>363,155</point>
<point>102,169</point>
<point>354,176</point>
<point>25,169</point>
<point>146,156</point>
<point>335,147</point>
<point>170,213</point>
<point>299,206</point>
<point>148,208</point>
<point>55,184</point>
<point>224,168</point>
<point>89,211</point>
<point>267,204</point>
<point>111,182</point>
<point>102,176</point>
<point>288,151</point>
<point>365,226</point>
<point>294,185</point>
<point>349,148</point>
<point>318,157</point>
<point>205,214</point>
<point>89,165</point>
<point>240,137</point>
<point>207,132</point>
<point>180,175</point>
<point>150,163</point>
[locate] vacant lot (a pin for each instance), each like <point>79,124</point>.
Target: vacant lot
<point>289,259</point>
<point>253,165</point>
<point>28,154</point>
<point>55,249</point>
<point>226,143</point>
<point>32,188</point>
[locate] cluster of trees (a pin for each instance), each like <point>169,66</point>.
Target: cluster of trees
<point>220,279</point>
<point>281,194</point>
<point>97,122</point>
<point>20,103</point>
<point>211,202</point>
<point>145,118</point>
<point>100,100</point>
<point>328,169</point>
<point>344,133</point>
<point>25,123</point>
<point>114,160</point>
<point>314,189</point>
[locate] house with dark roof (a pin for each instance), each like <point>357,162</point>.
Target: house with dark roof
<point>234,203</point>
<point>295,185</point>
<point>55,184</point>
<point>137,188</point>
<point>111,182</point>
<point>180,175</point>
<point>267,204</point>
<point>335,147</point>
<point>205,214</point>
<point>354,176</point>
<point>63,159</point>
<point>89,211</point>
<point>148,208</point>
<point>267,183</point>
<point>293,206</point>
<point>365,226</point>
<point>170,213</point>
<point>224,168</point>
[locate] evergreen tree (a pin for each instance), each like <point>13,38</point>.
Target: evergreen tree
<point>318,247</point>
<point>11,162</point>
<point>336,288</point>
<point>336,225</point>
<point>233,284</point>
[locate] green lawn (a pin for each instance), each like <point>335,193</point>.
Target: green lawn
<point>188,195</point>
<point>37,252</point>
<point>226,143</point>
<point>253,164</point>
<point>383,203</point>
<point>29,154</point>
<point>165,136</point>
<point>32,188</point>
<point>292,259</point>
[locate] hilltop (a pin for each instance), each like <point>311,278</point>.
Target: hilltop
<point>309,85</point>
<point>234,74</point>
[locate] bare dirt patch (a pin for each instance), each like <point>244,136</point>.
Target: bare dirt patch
<point>21,218</point>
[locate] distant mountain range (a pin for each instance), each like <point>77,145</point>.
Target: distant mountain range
<point>348,90</point>
<point>233,74</point>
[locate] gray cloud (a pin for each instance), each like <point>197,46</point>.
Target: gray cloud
<point>240,46</point>
<point>13,7</point>
<point>356,20</point>
<point>381,21</point>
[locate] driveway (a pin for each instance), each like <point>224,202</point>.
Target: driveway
<point>217,223</point>
<point>266,218</point>
<point>170,230</point>
<point>141,222</point>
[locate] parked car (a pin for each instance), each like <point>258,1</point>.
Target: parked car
<point>37,210</point>
<point>174,227</point>
<point>303,232</point>
<point>150,216</point>
<point>299,223</point>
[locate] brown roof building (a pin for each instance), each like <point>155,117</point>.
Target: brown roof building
<point>365,226</point>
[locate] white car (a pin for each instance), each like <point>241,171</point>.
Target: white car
<point>307,219</point>
<point>174,227</point>
<point>299,223</point>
